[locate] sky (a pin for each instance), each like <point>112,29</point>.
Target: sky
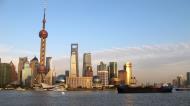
<point>153,34</point>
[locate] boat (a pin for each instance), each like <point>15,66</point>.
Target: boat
<point>182,89</point>
<point>140,89</point>
<point>63,93</point>
<point>20,89</point>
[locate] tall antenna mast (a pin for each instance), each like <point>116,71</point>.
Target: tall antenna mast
<point>44,4</point>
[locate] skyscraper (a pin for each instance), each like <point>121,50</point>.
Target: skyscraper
<point>101,67</point>
<point>180,81</point>
<point>128,69</point>
<point>74,66</point>
<point>43,34</point>
<point>122,75</point>
<point>22,61</point>
<point>14,75</point>
<point>48,64</point>
<point>87,66</point>
<point>102,72</point>
<point>188,79</point>
<point>112,70</point>
<point>34,64</point>
<point>66,73</point>
<point>5,74</point>
<point>50,77</point>
<point>26,75</point>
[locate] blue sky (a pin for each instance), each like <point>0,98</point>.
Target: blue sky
<point>94,24</point>
<point>97,25</point>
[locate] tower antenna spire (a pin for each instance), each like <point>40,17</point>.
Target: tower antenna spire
<point>44,19</point>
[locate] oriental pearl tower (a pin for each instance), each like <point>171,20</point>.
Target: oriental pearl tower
<point>43,34</point>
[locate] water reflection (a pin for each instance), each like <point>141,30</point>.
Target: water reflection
<point>88,98</point>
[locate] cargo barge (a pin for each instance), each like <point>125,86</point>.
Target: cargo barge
<point>148,89</point>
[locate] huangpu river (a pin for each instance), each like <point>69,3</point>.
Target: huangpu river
<point>92,98</point>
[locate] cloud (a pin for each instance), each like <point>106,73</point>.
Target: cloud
<point>10,53</point>
<point>151,63</point>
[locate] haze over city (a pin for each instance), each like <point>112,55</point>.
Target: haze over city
<point>153,35</point>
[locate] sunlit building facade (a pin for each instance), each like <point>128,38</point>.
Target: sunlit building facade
<point>122,75</point>
<point>14,75</point>
<point>79,82</point>
<point>48,64</point>
<point>34,65</point>
<point>128,69</point>
<point>26,75</point>
<point>22,61</point>
<point>113,72</point>
<point>74,65</point>
<point>102,72</point>
<point>87,66</point>
<point>104,77</point>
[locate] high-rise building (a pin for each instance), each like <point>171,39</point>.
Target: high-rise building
<point>101,67</point>
<point>66,73</point>
<point>5,74</point>
<point>34,65</point>
<point>14,75</point>
<point>26,75</point>
<point>188,79</point>
<point>74,65</point>
<point>104,77</point>
<point>128,69</point>
<point>122,75</point>
<point>22,61</point>
<point>102,72</point>
<point>48,64</point>
<point>50,77</point>
<point>88,72</point>
<point>112,70</point>
<point>86,63</point>
<point>43,34</point>
<point>180,81</point>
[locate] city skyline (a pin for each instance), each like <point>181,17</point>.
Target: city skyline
<point>111,35</point>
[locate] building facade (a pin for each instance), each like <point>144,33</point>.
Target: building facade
<point>22,61</point>
<point>26,75</point>
<point>5,74</point>
<point>188,79</point>
<point>74,65</point>
<point>34,65</point>
<point>14,75</point>
<point>48,64</point>
<point>88,72</point>
<point>113,72</point>
<point>102,72</point>
<point>122,75</point>
<point>101,67</point>
<point>104,77</point>
<point>86,64</point>
<point>128,69</point>
<point>180,81</point>
<point>79,82</point>
<point>67,73</point>
<point>50,77</point>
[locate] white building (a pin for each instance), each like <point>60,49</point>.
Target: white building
<point>26,75</point>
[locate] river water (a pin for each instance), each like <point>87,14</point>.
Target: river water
<point>92,98</point>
